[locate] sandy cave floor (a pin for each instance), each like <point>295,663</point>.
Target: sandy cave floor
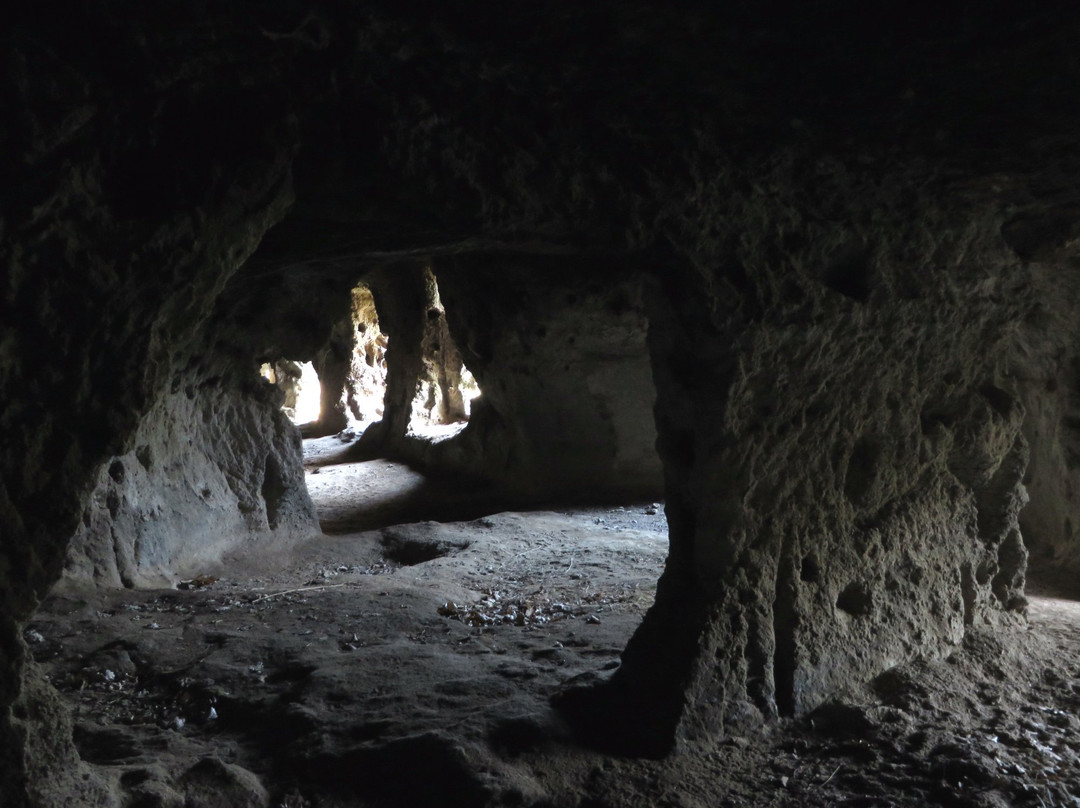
<point>411,664</point>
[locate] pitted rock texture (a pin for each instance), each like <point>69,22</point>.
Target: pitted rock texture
<point>55,772</point>
<point>210,471</point>
<point>366,385</point>
<point>863,492</point>
<point>286,374</point>
<point>567,391</point>
<point>333,362</point>
<point>121,221</point>
<point>1046,360</point>
<point>400,295</point>
<point>851,219</point>
<point>439,397</point>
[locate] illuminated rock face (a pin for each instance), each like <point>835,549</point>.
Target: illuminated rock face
<point>863,463</point>
<point>858,261</point>
<point>206,474</point>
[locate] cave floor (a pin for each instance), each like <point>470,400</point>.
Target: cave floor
<point>412,665</point>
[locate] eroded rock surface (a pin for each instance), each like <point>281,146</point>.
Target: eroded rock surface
<point>567,396</point>
<point>852,229</point>
<point>863,493</point>
<point>210,471</point>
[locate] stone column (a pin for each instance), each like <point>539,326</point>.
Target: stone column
<point>843,468</point>
<point>400,297</point>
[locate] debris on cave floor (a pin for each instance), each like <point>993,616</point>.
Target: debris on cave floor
<point>412,665</point>
<point>346,653</point>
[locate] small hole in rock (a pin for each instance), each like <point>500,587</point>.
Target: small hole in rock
<point>856,600</point>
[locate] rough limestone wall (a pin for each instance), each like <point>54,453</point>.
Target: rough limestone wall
<point>144,156</point>
<point>367,373</point>
<point>286,375</point>
<point>1047,359</point>
<point>121,220</point>
<point>567,393</point>
<point>1051,523</point>
<point>400,295</point>
<point>842,448</point>
<point>212,469</point>
<point>438,391</point>
<point>282,318</point>
<point>333,363</point>
<point>56,776</point>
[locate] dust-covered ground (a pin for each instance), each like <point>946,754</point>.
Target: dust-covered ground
<point>396,662</point>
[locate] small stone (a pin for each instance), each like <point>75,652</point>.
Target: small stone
<point>34,636</point>
<point>592,619</point>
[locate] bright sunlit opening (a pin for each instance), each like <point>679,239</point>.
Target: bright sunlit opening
<point>307,395</point>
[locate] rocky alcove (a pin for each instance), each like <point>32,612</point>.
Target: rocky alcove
<point>804,273</point>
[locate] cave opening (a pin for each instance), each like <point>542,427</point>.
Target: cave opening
<point>568,419</point>
<point>318,401</point>
<point>299,382</point>
<point>860,240</point>
<point>392,561</point>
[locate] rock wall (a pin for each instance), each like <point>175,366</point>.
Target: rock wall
<point>366,385</point>
<point>567,392</point>
<point>121,222</point>
<point>844,457</point>
<point>400,294</point>
<point>213,468</point>
<point>1047,360</point>
<point>411,355</point>
<point>557,346</point>
<point>1051,522</point>
<point>286,374</point>
<point>439,398</point>
<point>333,363</point>
<point>829,205</point>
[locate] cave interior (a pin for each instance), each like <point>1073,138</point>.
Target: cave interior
<point>769,309</point>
